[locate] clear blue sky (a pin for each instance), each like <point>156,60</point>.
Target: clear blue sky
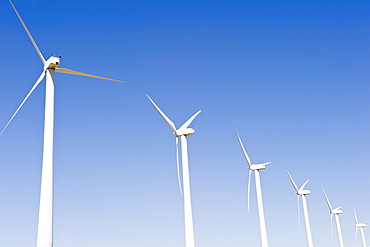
<point>291,76</point>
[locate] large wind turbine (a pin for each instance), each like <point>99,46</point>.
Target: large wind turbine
<point>50,66</point>
<point>335,212</point>
<point>182,132</point>
<point>302,192</point>
<point>256,168</point>
<point>360,226</point>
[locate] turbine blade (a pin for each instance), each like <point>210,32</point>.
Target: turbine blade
<point>178,164</point>
<point>28,95</point>
<point>331,228</point>
<point>327,200</point>
<point>354,212</point>
<point>187,123</point>
<point>72,72</point>
<point>249,190</point>
<point>263,164</point>
<point>168,121</point>
<point>302,187</point>
<point>28,33</point>
<point>299,215</point>
<point>245,153</point>
<point>292,181</point>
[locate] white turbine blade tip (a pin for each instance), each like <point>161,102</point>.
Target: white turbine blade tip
<point>168,121</point>
<point>327,200</point>
<point>292,181</point>
<point>187,123</point>
<point>302,187</point>
<point>354,212</point>
<point>266,163</point>
<point>243,149</point>
<point>24,100</point>
<point>28,33</point>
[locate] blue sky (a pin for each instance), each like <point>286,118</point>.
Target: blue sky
<point>291,76</point>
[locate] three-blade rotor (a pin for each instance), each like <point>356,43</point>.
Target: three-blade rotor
<point>182,131</point>
<point>45,222</point>
<point>52,63</point>
<point>332,211</point>
<point>300,192</point>
<point>358,225</point>
<point>251,167</point>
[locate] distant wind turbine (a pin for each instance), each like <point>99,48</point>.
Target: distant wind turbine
<point>45,222</point>
<point>335,212</point>
<point>360,226</point>
<point>302,192</point>
<point>183,132</point>
<point>256,168</point>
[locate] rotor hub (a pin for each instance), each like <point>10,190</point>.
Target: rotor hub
<point>52,63</point>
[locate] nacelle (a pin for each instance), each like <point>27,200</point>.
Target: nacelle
<point>52,63</point>
<point>361,225</point>
<point>303,192</point>
<point>184,132</point>
<point>257,167</point>
<point>337,211</point>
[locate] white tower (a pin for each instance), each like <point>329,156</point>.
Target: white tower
<point>302,192</point>
<point>256,168</point>
<point>50,66</point>
<point>183,132</point>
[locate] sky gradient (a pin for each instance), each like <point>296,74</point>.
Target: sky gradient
<point>291,76</point>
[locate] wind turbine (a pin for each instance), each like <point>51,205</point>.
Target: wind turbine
<point>50,66</point>
<point>335,212</point>
<point>360,226</point>
<point>256,168</point>
<point>302,192</point>
<point>183,132</point>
